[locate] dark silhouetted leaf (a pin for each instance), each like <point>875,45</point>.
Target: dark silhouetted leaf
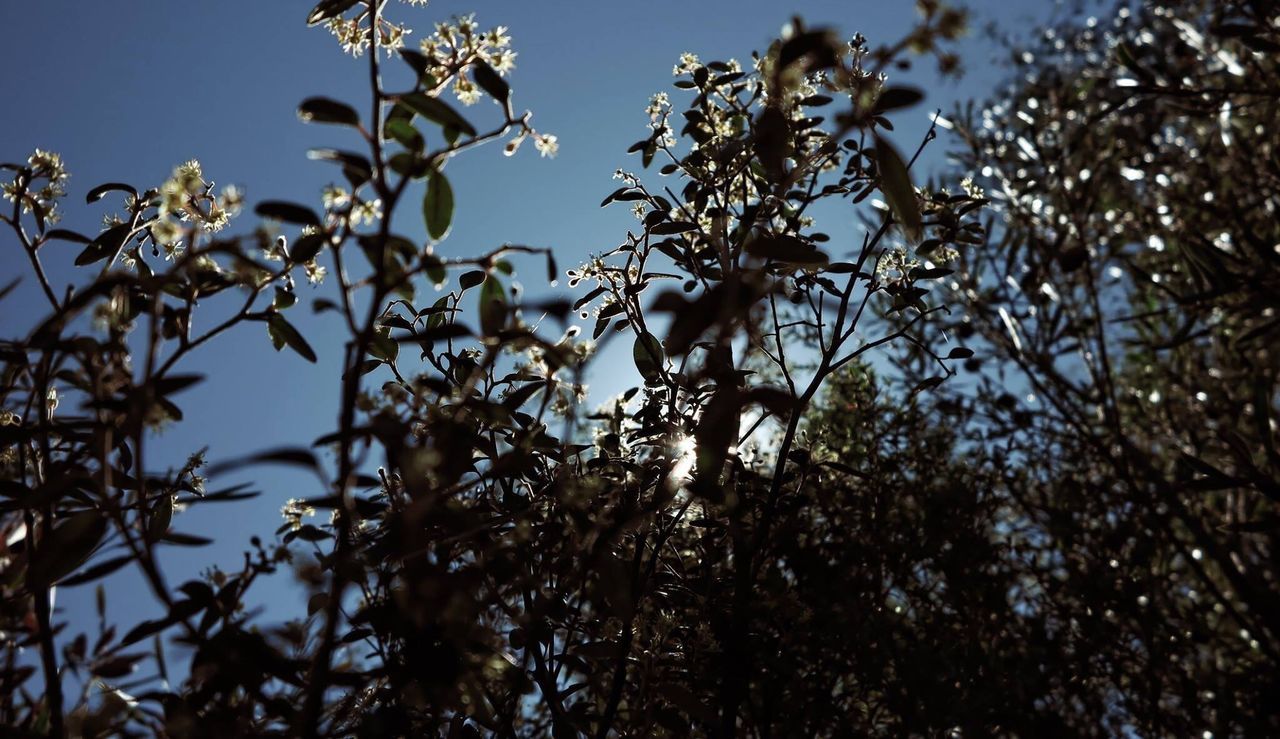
<point>283,333</point>
<point>325,110</point>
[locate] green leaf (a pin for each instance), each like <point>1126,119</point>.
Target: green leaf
<point>325,110</point>
<point>67,547</point>
<point>404,132</point>
<point>895,183</point>
<point>647,353</point>
<point>283,333</point>
<point>493,306</point>
<point>434,109</point>
<point>384,347</point>
<point>491,82</point>
<point>437,206</point>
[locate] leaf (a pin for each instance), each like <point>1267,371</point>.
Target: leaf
<point>472,278</point>
<point>772,142</point>
<point>437,206</point>
<point>493,306</point>
<point>325,110</point>
<point>293,456</point>
<point>308,247</point>
<point>673,227</point>
<point>327,9</point>
<point>287,212</point>
<point>491,82</point>
<point>384,347</point>
<point>105,245</point>
<point>67,547</point>
<point>438,111</point>
<point>892,98</point>
<point>96,193</point>
<point>648,355</point>
<point>63,234</point>
<point>895,183</point>
<point>284,299</point>
<point>355,168</point>
<point>716,431</point>
<point>927,384</point>
<point>283,333</point>
<point>440,332</point>
<point>102,569</point>
<point>404,132</point>
<point>161,517</point>
<point>785,248</point>
<point>186,540</point>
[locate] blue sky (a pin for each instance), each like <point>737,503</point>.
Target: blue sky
<point>125,91</point>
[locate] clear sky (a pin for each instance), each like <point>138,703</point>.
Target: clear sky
<point>127,90</point>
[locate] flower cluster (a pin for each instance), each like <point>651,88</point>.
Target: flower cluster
<point>293,511</point>
<point>187,197</point>
<point>456,46</point>
<point>43,166</point>
<point>353,35</point>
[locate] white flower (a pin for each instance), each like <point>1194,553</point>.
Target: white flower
<point>366,212</point>
<point>335,198</point>
<point>546,144</point>
<point>165,231</point>
<point>688,63</point>
<point>293,511</point>
<point>466,90</point>
<point>315,272</point>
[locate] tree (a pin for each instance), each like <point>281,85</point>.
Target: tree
<point>481,570</point>
<point>1130,297</point>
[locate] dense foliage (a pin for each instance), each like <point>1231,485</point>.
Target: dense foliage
<point>771,534</point>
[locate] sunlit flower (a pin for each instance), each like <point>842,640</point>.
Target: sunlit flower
<point>546,144</point>
<point>165,231</point>
<point>294,510</point>
<point>466,91</point>
<point>315,272</point>
<point>688,63</point>
<point>335,197</point>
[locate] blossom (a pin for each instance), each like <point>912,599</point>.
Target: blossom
<point>366,212</point>
<point>315,272</point>
<point>335,197</point>
<point>165,231</point>
<point>466,91</point>
<point>294,510</point>
<point>688,63</point>
<point>546,144</point>
<point>351,36</point>
<point>503,61</point>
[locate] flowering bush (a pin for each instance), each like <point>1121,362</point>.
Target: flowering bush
<point>763,536</point>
